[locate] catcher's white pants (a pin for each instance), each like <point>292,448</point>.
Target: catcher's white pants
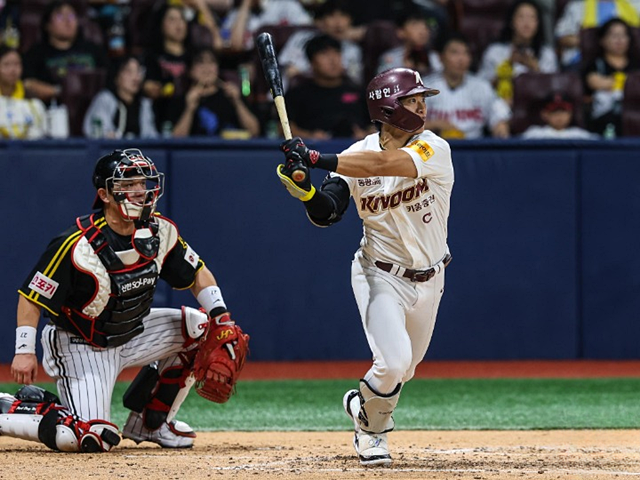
<point>398,317</point>
<point>85,376</point>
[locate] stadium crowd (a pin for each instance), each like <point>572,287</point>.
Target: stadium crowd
<point>176,68</point>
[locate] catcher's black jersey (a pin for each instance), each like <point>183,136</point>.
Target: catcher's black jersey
<point>58,280</point>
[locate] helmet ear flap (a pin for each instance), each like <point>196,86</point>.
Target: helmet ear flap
<point>387,111</point>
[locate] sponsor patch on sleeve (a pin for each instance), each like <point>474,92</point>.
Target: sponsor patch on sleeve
<point>43,285</point>
<point>422,148</point>
<point>191,256</point>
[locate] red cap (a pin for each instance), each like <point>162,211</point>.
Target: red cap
<point>558,101</point>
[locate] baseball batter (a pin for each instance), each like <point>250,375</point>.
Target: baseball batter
<point>95,283</point>
<point>400,180</point>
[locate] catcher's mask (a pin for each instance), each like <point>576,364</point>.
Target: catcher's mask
<point>132,179</point>
<point>384,93</point>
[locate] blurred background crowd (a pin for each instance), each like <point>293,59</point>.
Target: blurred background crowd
<point>178,68</point>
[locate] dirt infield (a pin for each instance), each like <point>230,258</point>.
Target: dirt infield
<point>543,455</point>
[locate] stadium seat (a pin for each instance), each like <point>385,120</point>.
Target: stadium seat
<point>481,22</point>
<point>78,90</point>
<point>138,25</point>
<point>380,36</point>
<point>530,91</point>
<point>631,106</point>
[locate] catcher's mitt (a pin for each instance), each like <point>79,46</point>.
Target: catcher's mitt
<point>220,358</point>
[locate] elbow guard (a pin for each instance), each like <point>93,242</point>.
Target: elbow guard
<point>329,203</point>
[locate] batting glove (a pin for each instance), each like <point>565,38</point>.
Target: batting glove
<point>304,190</point>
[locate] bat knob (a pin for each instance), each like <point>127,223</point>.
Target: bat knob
<point>299,176</point>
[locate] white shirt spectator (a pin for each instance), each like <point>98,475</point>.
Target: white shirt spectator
<point>293,53</point>
<point>274,12</point>
<point>470,106</point>
<point>22,118</point>
<point>547,131</point>
<point>498,52</point>
<point>103,108</point>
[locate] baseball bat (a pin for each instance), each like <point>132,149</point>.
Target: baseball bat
<point>264,44</point>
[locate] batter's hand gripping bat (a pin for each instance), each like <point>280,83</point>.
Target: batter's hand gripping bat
<point>264,44</point>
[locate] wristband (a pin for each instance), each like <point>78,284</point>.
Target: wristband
<point>325,161</point>
<point>26,340</point>
<point>211,299</point>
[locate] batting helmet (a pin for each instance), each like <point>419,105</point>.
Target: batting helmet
<point>384,93</point>
<point>123,164</point>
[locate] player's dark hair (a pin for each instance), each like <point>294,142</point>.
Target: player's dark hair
<point>506,35</point>
<point>320,43</point>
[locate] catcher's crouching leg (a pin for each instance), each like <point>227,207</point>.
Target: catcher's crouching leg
<point>35,414</point>
<point>152,394</point>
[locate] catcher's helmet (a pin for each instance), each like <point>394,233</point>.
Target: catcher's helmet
<point>384,93</point>
<point>123,164</point>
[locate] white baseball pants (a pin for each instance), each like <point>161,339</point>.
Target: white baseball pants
<point>85,376</point>
<point>398,317</point>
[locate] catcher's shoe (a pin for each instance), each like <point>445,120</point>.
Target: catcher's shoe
<point>372,448</point>
<point>6,401</point>
<point>174,434</point>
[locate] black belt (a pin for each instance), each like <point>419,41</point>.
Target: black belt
<point>414,275</point>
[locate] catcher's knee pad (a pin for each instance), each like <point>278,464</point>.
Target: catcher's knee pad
<point>376,409</point>
<point>194,324</point>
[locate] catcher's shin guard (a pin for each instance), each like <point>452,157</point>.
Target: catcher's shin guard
<point>376,409</point>
<point>28,417</point>
<point>152,394</point>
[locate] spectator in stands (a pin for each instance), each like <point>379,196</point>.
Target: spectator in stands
<point>557,115</point>
<point>167,61</point>
<point>331,18</point>
<point>414,28</point>
<point>120,111</point>
<point>606,75</point>
<point>243,23</point>
<point>211,106</point>
<point>328,104</point>
<point>579,14</point>
<point>60,50</point>
<point>521,48</point>
<point>19,117</point>
<point>201,11</point>
<point>467,105</point>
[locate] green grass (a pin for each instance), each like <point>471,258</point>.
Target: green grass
<point>502,404</point>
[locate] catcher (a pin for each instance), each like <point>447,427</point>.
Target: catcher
<point>95,283</point>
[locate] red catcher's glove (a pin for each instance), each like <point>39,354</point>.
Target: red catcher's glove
<point>220,358</point>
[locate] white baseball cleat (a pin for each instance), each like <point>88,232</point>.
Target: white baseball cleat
<point>175,434</point>
<point>372,448</point>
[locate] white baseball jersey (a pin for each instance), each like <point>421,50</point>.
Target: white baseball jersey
<point>405,219</point>
<point>469,106</point>
<point>499,52</point>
